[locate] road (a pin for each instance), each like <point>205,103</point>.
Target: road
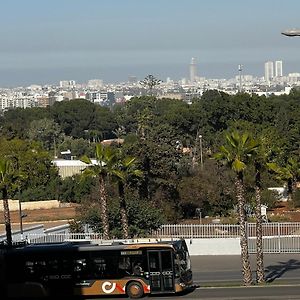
<point>223,269</point>
<point>219,277</point>
<point>242,293</point>
<point>237,293</point>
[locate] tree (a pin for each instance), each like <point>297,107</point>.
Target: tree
<point>47,132</point>
<point>105,161</point>
<point>150,82</point>
<point>143,218</point>
<point>34,170</point>
<point>290,173</point>
<point>264,152</point>
<point>78,117</point>
<point>5,182</point>
<point>124,171</point>
<point>237,151</point>
<point>260,272</point>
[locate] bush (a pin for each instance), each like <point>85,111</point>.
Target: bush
<point>142,217</point>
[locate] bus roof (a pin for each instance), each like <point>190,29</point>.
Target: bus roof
<point>89,246</point>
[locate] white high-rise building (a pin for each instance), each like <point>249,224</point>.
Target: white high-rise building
<point>193,70</point>
<point>278,68</point>
<point>269,71</point>
<point>67,83</point>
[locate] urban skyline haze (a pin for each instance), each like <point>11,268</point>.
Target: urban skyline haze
<point>47,41</point>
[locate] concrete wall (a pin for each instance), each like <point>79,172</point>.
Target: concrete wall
<point>217,246</point>
<point>31,205</point>
<point>17,236</point>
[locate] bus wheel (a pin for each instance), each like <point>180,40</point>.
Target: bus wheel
<point>134,290</point>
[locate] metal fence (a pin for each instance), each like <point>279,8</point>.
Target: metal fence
<point>277,237</point>
<point>63,237</point>
<point>190,231</point>
<point>225,230</point>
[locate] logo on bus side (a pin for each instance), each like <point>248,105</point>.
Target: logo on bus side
<point>108,287</point>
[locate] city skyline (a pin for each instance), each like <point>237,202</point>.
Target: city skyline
<point>113,39</point>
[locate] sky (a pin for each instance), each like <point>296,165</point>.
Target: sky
<point>45,41</point>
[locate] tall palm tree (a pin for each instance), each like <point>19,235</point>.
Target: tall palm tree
<point>105,160</point>
<point>260,272</point>
<point>290,173</point>
<point>5,170</point>
<point>236,153</point>
<point>124,171</point>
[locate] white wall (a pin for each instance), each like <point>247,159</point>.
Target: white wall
<point>30,205</point>
<point>218,246</point>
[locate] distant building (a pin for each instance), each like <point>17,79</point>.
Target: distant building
<point>68,168</point>
<point>43,101</point>
<point>278,68</point>
<point>193,70</point>
<point>67,83</point>
<point>269,71</point>
<point>95,83</point>
<point>132,79</point>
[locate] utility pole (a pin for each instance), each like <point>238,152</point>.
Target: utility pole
<point>240,68</point>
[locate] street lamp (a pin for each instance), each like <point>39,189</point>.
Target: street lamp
<point>22,215</point>
<point>199,214</point>
<point>201,151</point>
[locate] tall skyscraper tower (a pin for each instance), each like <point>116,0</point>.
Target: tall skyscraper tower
<point>193,70</point>
<point>278,68</point>
<point>269,71</point>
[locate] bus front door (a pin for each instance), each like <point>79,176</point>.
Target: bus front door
<point>161,272</point>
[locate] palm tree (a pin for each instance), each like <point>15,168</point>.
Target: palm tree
<point>260,164</point>
<point>105,160</point>
<point>290,173</point>
<point>260,272</point>
<point>5,170</point>
<point>124,171</point>
<point>236,153</point>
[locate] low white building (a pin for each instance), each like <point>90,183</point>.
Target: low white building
<point>68,168</point>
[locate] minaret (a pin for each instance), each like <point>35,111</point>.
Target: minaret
<point>193,70</point>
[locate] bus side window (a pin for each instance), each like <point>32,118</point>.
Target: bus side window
<point>153,263</point>
<point>29,271</point>
<point>124,265</point>
<point>99,266</point>
<point>80,268</point>
<point>35,269</point>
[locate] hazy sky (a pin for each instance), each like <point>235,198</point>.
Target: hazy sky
<point>44,41</point>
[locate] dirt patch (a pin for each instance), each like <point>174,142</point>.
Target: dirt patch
<point>283,210</point>
<point>42,215</point>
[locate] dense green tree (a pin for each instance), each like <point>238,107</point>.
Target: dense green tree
<point>143,217</point>
<point>290,173</point>
<point>34,163</point>
<point>78,147</point>
<point>16,122</point>
<point>210,190</point>
<point>78,117</point>
<point>74,189</point>
<point>47,132</point>
<point>160,161</point>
